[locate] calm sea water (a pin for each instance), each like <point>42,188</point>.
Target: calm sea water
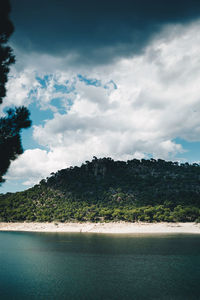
<point>91,266</point>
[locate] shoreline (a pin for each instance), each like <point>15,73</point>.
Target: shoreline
<point>110,227</point>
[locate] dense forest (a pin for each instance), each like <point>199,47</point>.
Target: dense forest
<point>107,190</point>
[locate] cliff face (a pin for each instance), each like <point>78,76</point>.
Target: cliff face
<point>147,181</point>
<point>107,189</point>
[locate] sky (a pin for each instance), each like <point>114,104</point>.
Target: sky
<point>103,78</point>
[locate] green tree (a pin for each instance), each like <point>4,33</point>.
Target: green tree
<point>17,118</point>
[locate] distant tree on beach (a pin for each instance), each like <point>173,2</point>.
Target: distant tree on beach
<point>16,118</point>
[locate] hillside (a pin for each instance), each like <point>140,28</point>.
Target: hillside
<point>104,189</point>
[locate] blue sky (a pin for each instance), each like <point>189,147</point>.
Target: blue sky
<point>126,88</point>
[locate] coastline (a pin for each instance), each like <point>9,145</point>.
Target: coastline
<point>111,227</point>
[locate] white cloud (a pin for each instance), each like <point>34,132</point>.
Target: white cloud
<point>156,101</point>
<point>19,86</point>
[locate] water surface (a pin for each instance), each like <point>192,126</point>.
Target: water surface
<point>98,266</point>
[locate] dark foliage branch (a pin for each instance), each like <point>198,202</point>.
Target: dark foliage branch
<point>10,140</point>
<point>6,53</point>
<point>17,118</point>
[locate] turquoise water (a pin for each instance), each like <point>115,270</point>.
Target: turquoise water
<point>92,266</point>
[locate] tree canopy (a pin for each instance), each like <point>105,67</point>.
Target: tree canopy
<point>108,190</point>
<point>16,118</point>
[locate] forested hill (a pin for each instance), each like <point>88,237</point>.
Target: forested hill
<point>104,189</point>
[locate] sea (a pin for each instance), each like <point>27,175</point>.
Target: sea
<point>99,266</point>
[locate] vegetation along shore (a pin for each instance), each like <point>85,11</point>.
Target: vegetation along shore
<point>105,190</point>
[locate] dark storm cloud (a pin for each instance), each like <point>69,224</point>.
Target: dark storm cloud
<point>96,30</point>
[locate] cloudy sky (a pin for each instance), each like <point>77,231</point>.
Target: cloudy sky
<point>116,79</point>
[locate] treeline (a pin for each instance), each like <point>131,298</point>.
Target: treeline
<point>108,190</point>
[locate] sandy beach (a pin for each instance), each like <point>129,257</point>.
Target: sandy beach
<point>112,227</point>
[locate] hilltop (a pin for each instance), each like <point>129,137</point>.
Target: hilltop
<point>104,190</point>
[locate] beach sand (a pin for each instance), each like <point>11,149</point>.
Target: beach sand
<point>111,227</point>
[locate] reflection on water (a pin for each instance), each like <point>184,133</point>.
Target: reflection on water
<point>99,266</point>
